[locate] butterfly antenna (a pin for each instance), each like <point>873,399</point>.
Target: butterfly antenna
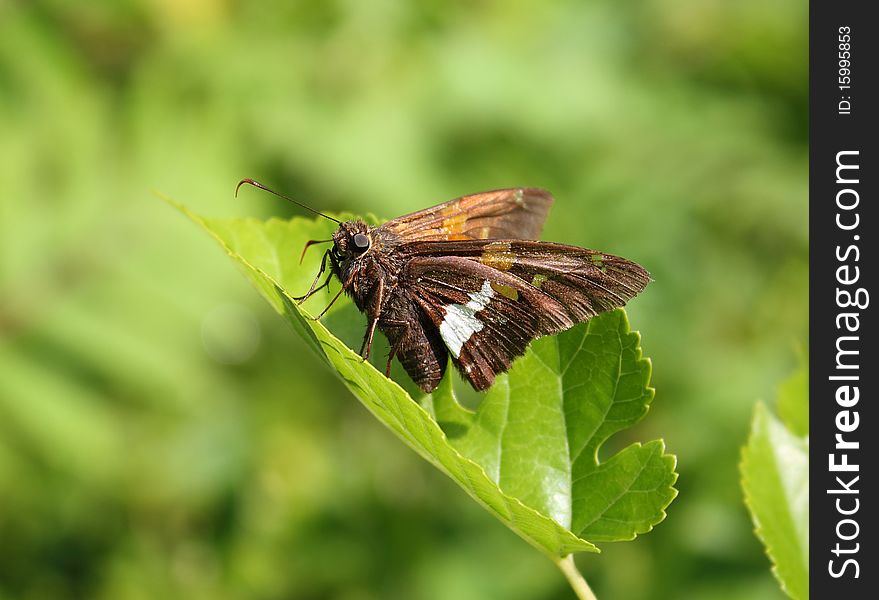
<point>279,195</point>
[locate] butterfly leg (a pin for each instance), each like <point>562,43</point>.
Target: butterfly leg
<point>391,355</point>
<point>333,301</point>
<point>367,339</point>
<point>376,301</point>
<point>345,284</point>
<point>312,290</point>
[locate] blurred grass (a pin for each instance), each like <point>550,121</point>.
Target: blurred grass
<point>162,435</point>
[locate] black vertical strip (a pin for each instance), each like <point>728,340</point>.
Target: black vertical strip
<point>843,370</point>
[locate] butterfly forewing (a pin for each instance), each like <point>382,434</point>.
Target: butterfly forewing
<point>508,213</point>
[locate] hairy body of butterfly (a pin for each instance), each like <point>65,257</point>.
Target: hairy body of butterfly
<point>467,279</point>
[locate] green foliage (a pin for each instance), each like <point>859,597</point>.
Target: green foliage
<point>538,431</point>
<point>775,478</point>
<point>793,405</point>
<point>133,462</point>
<point>529,453</point>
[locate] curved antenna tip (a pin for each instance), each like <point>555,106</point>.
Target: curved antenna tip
<point>248,181</point>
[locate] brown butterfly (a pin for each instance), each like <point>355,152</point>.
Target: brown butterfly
<point>466,279</point>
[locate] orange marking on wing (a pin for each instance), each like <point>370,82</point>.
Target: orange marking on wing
<point>451,209</point>
<point>497,255</point>
<point>454,224</point>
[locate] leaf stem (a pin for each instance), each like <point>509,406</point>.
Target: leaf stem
<point>574,577</point>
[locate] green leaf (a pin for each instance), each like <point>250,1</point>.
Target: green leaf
<point>793,402</point>
<point>775,479</point>
<point>571,392</point>
<point>529,453</point>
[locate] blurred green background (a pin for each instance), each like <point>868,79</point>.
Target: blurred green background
<point>164,435</point>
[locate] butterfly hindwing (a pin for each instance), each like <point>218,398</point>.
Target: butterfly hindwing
<point>485,317</point>
<point>489,299</point>
<point>583,282</point>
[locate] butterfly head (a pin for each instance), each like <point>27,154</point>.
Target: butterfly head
<point>351,240</point>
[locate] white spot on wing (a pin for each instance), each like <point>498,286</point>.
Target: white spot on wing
<point>461,322</point>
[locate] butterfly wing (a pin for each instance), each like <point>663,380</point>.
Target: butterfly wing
<point>508,213</point>
<point>483,329</point>
<point>489,300</point>
<point>584,282</point>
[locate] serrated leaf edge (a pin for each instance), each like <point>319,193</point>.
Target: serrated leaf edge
<point>761,411</point>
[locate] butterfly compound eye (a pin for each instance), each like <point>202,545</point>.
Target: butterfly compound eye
<point>361,242</point>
